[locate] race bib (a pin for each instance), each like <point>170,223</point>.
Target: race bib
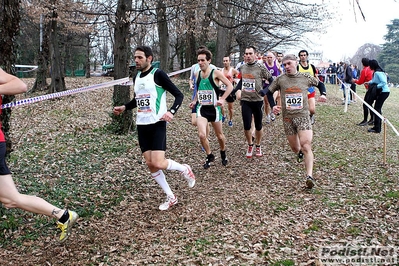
<point>205,97</point>
<point>294,101</point>
<point>248,85</point>
<point>143,102</point>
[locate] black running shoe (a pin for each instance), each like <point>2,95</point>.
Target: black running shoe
<point>309,182</point>
<point>209,158</point>
<point>300,156</point>
<point>224,158</point>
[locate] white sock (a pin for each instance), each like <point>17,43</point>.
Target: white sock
<point>172,165</point>
<point>161,180</point>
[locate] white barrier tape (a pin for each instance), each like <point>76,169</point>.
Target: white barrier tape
<point>130,83</point>
<point>122,81</point>
<point>384,119</point>
<point>179,71</point>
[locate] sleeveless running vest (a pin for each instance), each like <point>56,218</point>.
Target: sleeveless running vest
<point>309,69</point>
<point>229,76</point>
<point>207,90</point>
<point>273,70</point>
<point>150,98</point>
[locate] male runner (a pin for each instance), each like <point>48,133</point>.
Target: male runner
<point>230,73</point>
<point>271,64</point>
<point>209,104</point>
<point>305,67</point>
<point>150,87</point>
<point>252,92</point>
<point>293,87</point>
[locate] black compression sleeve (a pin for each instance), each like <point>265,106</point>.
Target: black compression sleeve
<point>322,88</point>
<point>131,105</point>
<point>238,87</point>
<point>162,79</point>
<point>270,98</point>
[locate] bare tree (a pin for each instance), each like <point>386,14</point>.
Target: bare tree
<point>121,95</point>
<point>367,50</point>
<point>9,27</point>
<point>163,34</point>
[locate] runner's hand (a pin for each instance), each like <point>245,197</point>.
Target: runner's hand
<point>322,98</point>
<point>276,109</point>
<point>220,102</point>
<point>168,116</point>
<point>119,109</point>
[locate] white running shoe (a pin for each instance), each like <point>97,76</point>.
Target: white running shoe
<point>250,150</point>
<point>258,151</point>
<point>170,201</point>
<point>272,116</point>
<point>189,176</point>
<point>268,119</point>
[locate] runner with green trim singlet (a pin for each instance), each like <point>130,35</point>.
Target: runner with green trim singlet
<point>209,105</point>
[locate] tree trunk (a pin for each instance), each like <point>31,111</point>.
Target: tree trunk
<point>190,51</point>
<point>57,75</point>
<point>121,95</point>
<point>9,27</point>
<point>223,42</point>
<point>206,21</point>
<point>163,34</point>
<point>87,65</point>
<point>42,62</point>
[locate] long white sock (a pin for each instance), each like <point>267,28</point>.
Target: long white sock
<point>159,176</point>
<point>172,165</point>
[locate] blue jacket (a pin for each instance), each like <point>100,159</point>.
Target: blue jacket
<point>381,79</point>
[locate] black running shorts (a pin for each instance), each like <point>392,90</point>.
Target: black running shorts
<point>3,166</point>
<point>152,137</point>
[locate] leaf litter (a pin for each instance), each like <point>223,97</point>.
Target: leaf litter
<point>252,212</point>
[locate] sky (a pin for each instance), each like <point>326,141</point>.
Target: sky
<point>348,32</point>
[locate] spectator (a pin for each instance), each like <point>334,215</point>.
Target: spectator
<point>379,78</point>
<point>365,76</point>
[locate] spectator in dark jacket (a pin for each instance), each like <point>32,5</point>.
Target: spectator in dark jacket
<point>347,79</point>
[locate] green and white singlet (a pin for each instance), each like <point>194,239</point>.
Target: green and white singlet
<point>150,98</point>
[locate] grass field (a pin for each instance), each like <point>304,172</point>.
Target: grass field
<point>252,212</point>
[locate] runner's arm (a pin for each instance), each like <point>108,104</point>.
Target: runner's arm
<point>164,81</point>
<point>238,87</point>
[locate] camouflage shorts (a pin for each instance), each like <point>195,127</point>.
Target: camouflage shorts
<point>295,124</point>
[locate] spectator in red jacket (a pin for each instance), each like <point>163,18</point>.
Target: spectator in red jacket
<point>365,76</point>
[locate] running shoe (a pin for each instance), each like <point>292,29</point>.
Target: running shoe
<point>189,176</point>
<point>209,159</point>
<point>300,156</point>
<point>250,150</point>
<point>223,119</point>
<point>67,226</point>
<point>370,122</point>
<point>258,151</point>
<point>310,182</point>
<point>312,119</point>
<point>272,117</point>
<point>268,119</point>
<point>170,201</point>
<point>224,158</point>
<point>230,123</point>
